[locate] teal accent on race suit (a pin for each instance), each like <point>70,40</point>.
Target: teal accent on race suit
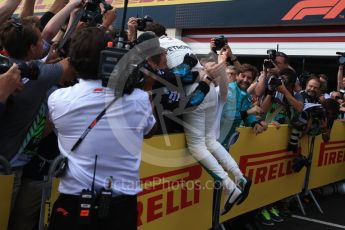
<point>197,97</point>
<point>184,72</point>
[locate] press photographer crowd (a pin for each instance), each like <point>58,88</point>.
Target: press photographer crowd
<point>72,85</point>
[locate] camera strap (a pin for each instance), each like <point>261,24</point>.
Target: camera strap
<point>92,125</point>
<point>71,29</point>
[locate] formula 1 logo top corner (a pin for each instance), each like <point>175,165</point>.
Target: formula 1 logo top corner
<point>330,9</point>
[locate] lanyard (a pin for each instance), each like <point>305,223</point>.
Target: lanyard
<point>93,124</point>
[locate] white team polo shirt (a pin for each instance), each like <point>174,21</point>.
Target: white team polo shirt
<point>117,138</point>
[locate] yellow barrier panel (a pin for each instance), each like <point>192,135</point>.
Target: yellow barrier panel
<point>163,205</point>
<point>177,192</point>
<point>6,183</point>
<point>264,159</point>
<point>329,158</point>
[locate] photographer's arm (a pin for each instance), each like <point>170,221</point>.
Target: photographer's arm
<point>212,71</point>
<point>9,82</point>
<point>297,105</point>
<point>340,77</point>
<point>28,8</point>
<point>55,24</point>
<point>108,18</point>
<point>261,83</point>
<point>53,9</point>
<point>222,79</point>
<point>7,8</point>
<point>213,55</point>
<point>267,103</point>
<point>132,29</point>
<point>232,57</point>
<point>235,61</point>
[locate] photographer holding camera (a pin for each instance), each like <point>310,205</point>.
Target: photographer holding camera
<point>139,24</point>
<point>107,160</point>
<point>275,62</point>
<point>221,44</point>
<point>339,97</point>
<point>281,103</point>
<point>22,124</point>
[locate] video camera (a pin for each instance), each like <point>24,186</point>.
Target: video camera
<point>108,61</point>
<point>271,58</point>
<point>142,22</point>
<point>92,11</point>
<point>220,42</point>
<point>28,70</point>
<point>341,59</point>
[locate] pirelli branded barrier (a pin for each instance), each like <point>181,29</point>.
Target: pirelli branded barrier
<point>177,191</point>
<point>182,197</point>
<point>329,158</point>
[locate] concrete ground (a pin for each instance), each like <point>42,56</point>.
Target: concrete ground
<point>333,216</point>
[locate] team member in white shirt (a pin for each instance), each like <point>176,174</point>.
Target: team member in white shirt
<point>116,139</point>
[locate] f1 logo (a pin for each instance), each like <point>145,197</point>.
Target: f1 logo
<point>329,8</point>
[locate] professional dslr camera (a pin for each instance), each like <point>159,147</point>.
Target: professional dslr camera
<point>271,58</point>
<point>92,11</point>
<point>28,70</point>
<point>275,81</point>
<point>219,42</point>
<point>341,59</point>
<point>142,22</point>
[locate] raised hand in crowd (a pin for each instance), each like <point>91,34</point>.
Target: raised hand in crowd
<point>132,29</point>
<point>218,73</point>
<point>298,106</point>
<point>28,8</point>
<point>340,78</point>
<point>53,54</point>
<point>260,127</point>
<point>7,8</point>
<point>9,83</point>
<point>224,54</point>
<point>256,110</point>
<point>108,18</point>
<point>215,70</point>
<point>56,23</point>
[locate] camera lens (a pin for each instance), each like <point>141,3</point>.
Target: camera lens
<point>342,60</point>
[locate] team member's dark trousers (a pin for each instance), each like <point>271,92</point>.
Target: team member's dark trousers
<point>123,214</point>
